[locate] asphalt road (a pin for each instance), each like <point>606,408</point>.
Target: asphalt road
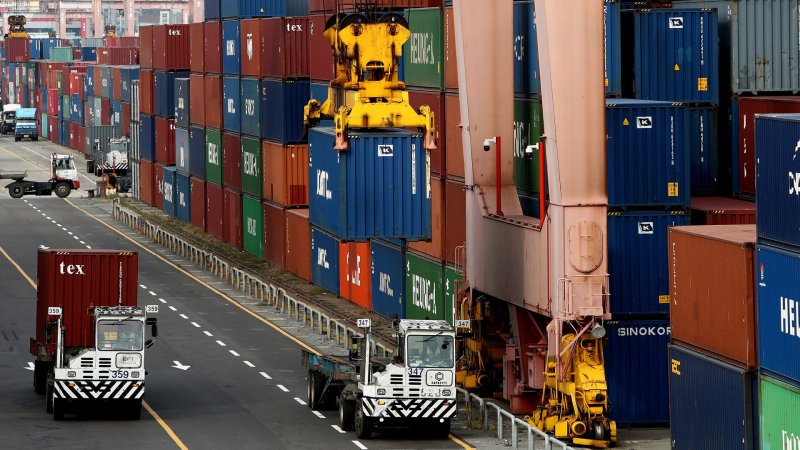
<point>244,388</point>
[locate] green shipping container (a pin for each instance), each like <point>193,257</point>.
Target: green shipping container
<point>45,125</point>
<point>528,130</point>
<point>61,54</point>
<point>66,107</point>
<point>253,226</point>
<point>423,53</point>
<point>780,416</point>
<point>252,176</point>
<point>424,288</point>
<point>450,279</point>
<point>214,156</point>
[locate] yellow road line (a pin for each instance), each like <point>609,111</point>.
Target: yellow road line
<point>149,409</point>
<point>461,443</point>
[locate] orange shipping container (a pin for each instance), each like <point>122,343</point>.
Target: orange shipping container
<point>298,243</point>
<point>434,247</point>
<point>454,153</point>
<point>285,173</point>
<point>354,273</point>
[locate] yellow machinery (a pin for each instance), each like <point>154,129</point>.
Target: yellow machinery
<point>111,31</point>
<point>16,27</point>
<point>367,47</point>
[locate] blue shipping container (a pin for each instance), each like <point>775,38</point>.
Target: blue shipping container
<point>164,92</point>
<point>116,116</point>
<point>63,133</point>
<point>377,188</point>
<point>244,9</point>
<point>526,50</point>
<point>638,260</point>
<point>89,54</point>
<point>388,279</point>
<point>648,154</point>
<point>147,138</point>
<point>636,371</point>
<point>182,102</point>
<point>231,47</point>
<point>129,74</point>
<point>677,55</point>
<point>182,152</point>
<point>168,189</point>
<point>197,150</point>
<point>231,110</point>
<point>77,112</point>
<point>212,9</point>
<point>778,199</point>
<point>88,83</point>
<point>48,44</point>
<point>282,105</point>
<point>713,405</point>
<point>183,209</point>
<point>319,91</point>
<point>778,312</point>
<point>612,41</point>
<point>251,106</point>
<point>325,260</point>
<point>702,130</point>
<point>35,46</point>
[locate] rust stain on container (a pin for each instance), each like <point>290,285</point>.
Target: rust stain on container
<point>285,169</point>
<point>298,243</point>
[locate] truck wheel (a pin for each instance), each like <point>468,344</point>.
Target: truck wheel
<point>49,397</point>
<point>59,405</point>
<point>16,191</point>
<point>89,166</point>
<point>363,424</point>
<point>135,410</point>
<point>442,430</point>
<point>40,377</point>
<point>346,413</point>
<point>316,383</point>
<point>63,189</point>
<point>35,139</point>
<point>16,138</point>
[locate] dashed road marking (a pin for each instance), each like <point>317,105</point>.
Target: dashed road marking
<point>89,247</point>
<point>300,400</point>
<point>283,388</point>
<point>47,217</point>
<point>69,233</point>
<point>318,414</point>
<point>143,286</point>
<point>152,293</point>
<point>183,316</point>
<point>265,375</point>
<point>162,300</point>
<point>249,364</point>
<point>174,309</point>
<point>208,333</point>
<point>196,325</point>
<point>76,238</point>
<point>82,243</point>
<point>221,343</point>
<point>360,445</point>
<point>233,352</point>
<point>337,428</point>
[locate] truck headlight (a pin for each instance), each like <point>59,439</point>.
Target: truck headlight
<point>381,391</point>
<point>446,392</point>
<point>129,360</point>
<point>135,374</point>
<point>71,374</point>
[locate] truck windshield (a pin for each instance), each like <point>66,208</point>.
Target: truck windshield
<point>430,351</point>
<point>120,335</point>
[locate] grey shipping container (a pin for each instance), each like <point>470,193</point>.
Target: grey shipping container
<point>102,134</point>
<point>135,101</point>
<point>134,151</point>
<point>135,180</point>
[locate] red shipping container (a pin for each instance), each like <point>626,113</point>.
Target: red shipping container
<point>213,102</point>
<point>454,153</point>
<point>77,293</point>
<point>158,185</point>
<point>748,108</point>
<point>146,182</point>
<point>455,209</point>
<point>171,47</point>
<point>146,92</point>
<point>18,50</point>
<point>298,243</point>
<point>73,135</point>
<point>435,246</point>
<point>232,161</point>
<point>434,99</point>
<point>123,41</point>
<point>121,56</point>
<point>355,273</point>
<point>275,234</point>
<point>146,46</point>
<point>53,102</point>
<point>450,63</point>
<point>116,85</point>
<point>81,142</point>
<point>197,47</point>
<point>233,218</point>
<point>285,53</point>
<point>252,45</point>
<point>198,202</point>
<point>77,53</point>
<point>197,99</point>
<point>53,129</point>
<point>722,211</point>
<point>215,211</point>
<point>285,173</point>
<point>105,116</point>
<point>76,84</point>
<point>98,81</point>
<point>165,141</point>
<point>713,291</point>
<point>320,59</point>
<point>213,47</point>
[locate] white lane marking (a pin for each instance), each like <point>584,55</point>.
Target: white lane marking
<point>221,343</point>
<point>47,217</point>
<point>53,221</point>
<point>183,316</point>
<point>69,233</point>
<point>264,374</point>
<point>196,325</point>
<point>31,366</point>
<point>233,352</point>
<point>152,293</point>
<point>82,243</point>
<point>283,388</point>
<point>208,333</point>
<point>300,400</point>
<point>174,309</point>
<point>249,364</point>
<point>336,427</point>
<point>76,238</point>
<point>360,445</point>
<point>89,247</point>
<point>318,414</point>
<point>162,300</point>
<point>58,224</point>
<point>180,366</point>
<point>143,286</point>
<point>63,228</point>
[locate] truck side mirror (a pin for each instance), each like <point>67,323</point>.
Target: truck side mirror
<point>154,330</point>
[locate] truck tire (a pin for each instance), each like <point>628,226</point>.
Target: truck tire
<point>59,405</point>
<point>441,430</point>
<point>40,370</point>
<point>16,138</point>
<point>16,191</point>
<point>316,383</point>
<point>347,411</point>
<point>49,397</point>
<point>89,166</point>
<point>62,189</point>
<point>135,409</point>
<point>363,424</point>
<point>35,138</point>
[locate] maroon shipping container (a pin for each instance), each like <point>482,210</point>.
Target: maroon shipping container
<point>232,161</point>
<point>197,47</point>
<point>77,53</point>
<point>450,64</point>
<point>285,53</point>
<point>712,289</point>
<point>146,92</point>
<point>171,47</point>
<point>105,106</point>
<point>165,141</point>
<point>116,85</point>
<point>233,217</point>
<point>197,99</point>
<point>123,41</point>
<point>76,84</point>
<point>213,102</point>
<point>275,234</point>
<point>198,202</point>
<point>454,153</point>
<point>97,87</point>
<point>252,45</point>
<point>215,211</point>
<point>722,211</point>
<point>212,37</point>
<point>434,99</point>
<point>748,108</point>
<point>158,185</point>
<point>298,243</point>
<point>435,246</point>
<point>146,182</point>
<point>320,60</point>
<point>18,50</point>
<point>118,56</point>
<point>455,234</point>
<point>146,45</point>
<point>125,110</point>
<point>77,280</point>
<point>74,136</point>
<point>53,128</point>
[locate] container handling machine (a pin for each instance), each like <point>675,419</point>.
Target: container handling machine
<point>63,179</point>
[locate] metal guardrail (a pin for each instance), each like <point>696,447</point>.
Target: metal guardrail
<point>332,328</point>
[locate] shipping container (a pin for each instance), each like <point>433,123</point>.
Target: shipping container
<point>181,102</point>
<point>424,50</point>
<point>388,281</point>
<point>232,115</point>
<point>354,273</point>
<point>282,104</point>
<point>165,141</point>
<point>182,153</point>
<point>197,46</point>
<point>320,52</point>
<point>434,247</point>
<point>435,100</point>
<point>677,55</point>
<point>213,102</point>
<point>244,8</point>
<point>702,123</point>
<point>98,135</point>
<point>18,50</point>
<point>231,47</point>
<point>285,173</point>
<point>455,209</point>
<point>129,76</point>
<point>212,10</point>
<point>253,226</point>
<point>135,99</point>
<point>424,282</point>
<point>183,195</point>
<point>298,243</point>
<point>253,45</point>
<point>197,99</point>
<point>147,138</point>
<point>528,130</point>
<point>76,295</point>
<point>158,185</point>
<point>450,61</point>
<point>454,150</point>
<point>146,37</point>
<point>214,156</point>
<point>171,47</point>
<point>146,182</point>
<point>637,261</point>
<point>779,421</point>
<point>720,396</point>
<point>275,234</point>
<point>712,290</point>
<point>197,147</point>
<point>286,56</point>
<point>648,154</point>
<point>252,176</point>
<point>169,190</point>
<point>325,260</point>
<point>526,51</point>
<point>250,98</point>
<point>212,38</point>
<point>612,38</point>
<point>197,198</point>
<point>164,92</point>
<point>233,218</point>
<point>722,211</point>
<point>232,161</point>
<point>378,188</point>
<point>215,210</point>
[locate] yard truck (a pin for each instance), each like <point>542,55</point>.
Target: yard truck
<point>63,179</point>
<point>25,124</point>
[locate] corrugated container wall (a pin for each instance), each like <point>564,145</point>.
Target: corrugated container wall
<point>253,226</point>
<point>722,211</point>
<point>212,38</point>
<point>233,218</point>
<point>435,100</point>
<point>285,173</point>
<point>250,99</point>
<point>252,176</point>
<point>214,156</point>
<point>198,203</point>
<point>425,297</point>
<point>213,104</point>
<point>171,47</point>
<point>197,47</point>
<point>215,210</point>
<point>231,47</point>
<point>275,240</point>
<point>613,49</point>
<point>286,56</point>
<point>298,243</point>
<point>244,8</point>
<point>325,260</point>
<point>320,59</point>
<point>354,273</point>
<point>182,153</point>
<point>526,50</point>
<point>388,280</point>
<point>232,115</point>
<point>197,148</point>
<point>183,200</point>
<point>702,129</point>
<point>282,105</point>
<point>169,190</point>
<point>780,423</point>
<point>252,44</point>
<point>528,130</point>
<point>211,9</point>
<point>423,53</point>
